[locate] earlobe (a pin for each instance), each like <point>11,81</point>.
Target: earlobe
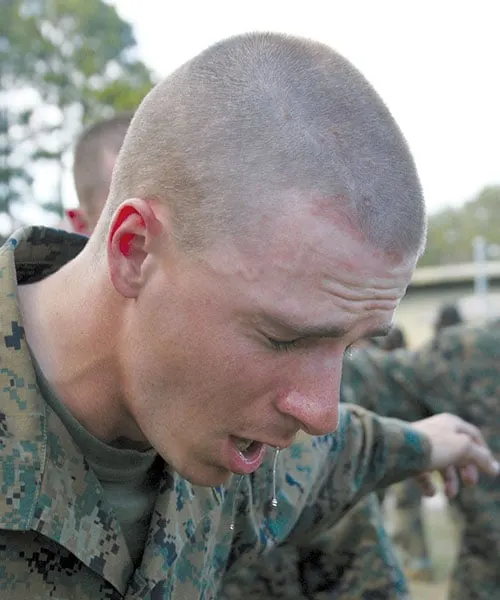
<point>129,242</point>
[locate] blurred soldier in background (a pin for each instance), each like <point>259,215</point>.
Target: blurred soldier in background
<point>409,530</point>
<point>96,151</point>
<point>458,372</point>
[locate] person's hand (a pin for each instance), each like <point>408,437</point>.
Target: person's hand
<point>457,447</point>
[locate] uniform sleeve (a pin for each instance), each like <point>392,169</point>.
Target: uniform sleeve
<point>367,452</point>
<point>318,479</point>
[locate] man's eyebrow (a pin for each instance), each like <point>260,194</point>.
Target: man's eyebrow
<point>321,331</point>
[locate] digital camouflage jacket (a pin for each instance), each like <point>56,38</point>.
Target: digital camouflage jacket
<point>353,560</point>
<point>60,539</point>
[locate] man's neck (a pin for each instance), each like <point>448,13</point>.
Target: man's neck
<point>74,342</point>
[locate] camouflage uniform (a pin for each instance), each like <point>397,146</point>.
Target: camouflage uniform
<point>59,536</point>
<point>458,372</point>
<point>354,560</point>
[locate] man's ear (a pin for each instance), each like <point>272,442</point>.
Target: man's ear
<point>131,236</point>
<point>78,221</point>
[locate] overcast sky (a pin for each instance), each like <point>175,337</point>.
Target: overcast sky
<point>435,63</point>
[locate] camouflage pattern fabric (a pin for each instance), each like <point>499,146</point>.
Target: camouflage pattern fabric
<point>458,372</point>
<point>354,560</point>
<point>59,538</point>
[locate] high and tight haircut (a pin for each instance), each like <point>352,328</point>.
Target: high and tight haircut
<point>98,141</point>
<point>233,133</point>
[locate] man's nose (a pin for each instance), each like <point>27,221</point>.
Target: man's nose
<point>313,400</point>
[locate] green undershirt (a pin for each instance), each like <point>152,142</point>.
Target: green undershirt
<point>126,474</point>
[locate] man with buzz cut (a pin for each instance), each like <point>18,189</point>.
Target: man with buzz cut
<point>356,555</point>
<point>264,214</point>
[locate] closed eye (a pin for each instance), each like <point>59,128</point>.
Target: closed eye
<point>283,346</point>
<point>287,346</point>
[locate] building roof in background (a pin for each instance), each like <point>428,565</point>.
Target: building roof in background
<point>447,274</point>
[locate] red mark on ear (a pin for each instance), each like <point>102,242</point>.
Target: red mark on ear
<point>127,238</point>
<point>126,243</point>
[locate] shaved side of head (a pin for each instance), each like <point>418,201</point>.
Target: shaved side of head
<point>95,150</point>
<point>258,119</point>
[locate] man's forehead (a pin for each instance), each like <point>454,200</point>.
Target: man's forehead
<point>302,245</point>
<point>335,259</point>
<point>322,225</point>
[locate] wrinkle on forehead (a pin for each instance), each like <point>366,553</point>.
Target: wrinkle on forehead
<point>359,284</point>
<point>373,295</point>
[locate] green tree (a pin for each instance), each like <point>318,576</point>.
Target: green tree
<point>63,64</point>
<point>452,230</point>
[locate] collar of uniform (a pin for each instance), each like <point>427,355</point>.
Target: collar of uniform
<point>45,483</point>
<point>40,251</point>
<point>71,509</point>
<point>189,539</point>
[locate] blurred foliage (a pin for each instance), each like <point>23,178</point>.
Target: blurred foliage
<point>452,231</point>
<point>63,64</point>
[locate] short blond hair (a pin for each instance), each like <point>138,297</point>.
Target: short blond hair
<point>226,136</point>
<point>91,176</point>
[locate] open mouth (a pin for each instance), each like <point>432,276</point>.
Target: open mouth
<point>246,455</point>
<point>245,446</point>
